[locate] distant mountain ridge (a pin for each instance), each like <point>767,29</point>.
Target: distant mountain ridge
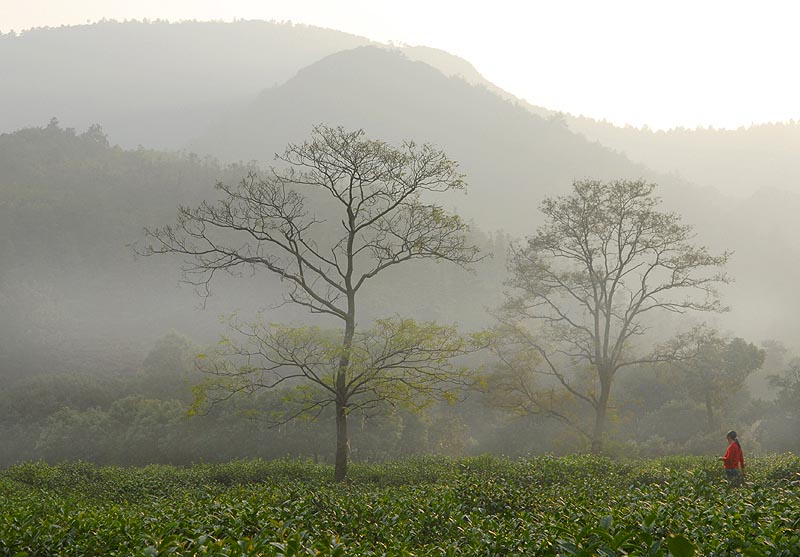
<point>739,162</point>
<point>159,84</point>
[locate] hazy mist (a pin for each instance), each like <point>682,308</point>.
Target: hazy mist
<point>108,128</point>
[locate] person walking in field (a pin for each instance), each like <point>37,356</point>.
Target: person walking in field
<point>733,461</point>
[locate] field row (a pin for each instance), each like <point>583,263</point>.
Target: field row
<point>579,506</point>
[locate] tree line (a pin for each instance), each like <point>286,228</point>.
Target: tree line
<point>583,288</point>
<point>582,319</point>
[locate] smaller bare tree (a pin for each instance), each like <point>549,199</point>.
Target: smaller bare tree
<point>604,261</point>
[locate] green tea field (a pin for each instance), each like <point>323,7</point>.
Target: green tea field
<point>573,506</point>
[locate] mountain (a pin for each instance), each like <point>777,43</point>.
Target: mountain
<point>69,203</point>
<point>511,158</point>
<point>159,84</point>
<point>151,83</point>
<point>449,64</point>
<point>738,162</point>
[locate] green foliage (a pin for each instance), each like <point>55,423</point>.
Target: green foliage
<point>429,506</point>
<point>398,362</point>
<point>679,546</point>
<point>780,427</point>
<point>717,369</point>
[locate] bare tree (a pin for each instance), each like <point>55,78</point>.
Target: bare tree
<point>371,212</point>
<point>605,260</point>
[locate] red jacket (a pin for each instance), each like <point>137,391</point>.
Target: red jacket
<point>733,456</point>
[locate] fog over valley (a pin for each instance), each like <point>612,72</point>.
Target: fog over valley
<point>226,240</point>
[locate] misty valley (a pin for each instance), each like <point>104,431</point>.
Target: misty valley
<point>346,298</point>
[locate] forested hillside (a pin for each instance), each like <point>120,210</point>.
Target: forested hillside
<point>71,209</point>
<point>72,295</point>
<point>91,370</point>
<point>160,84</point>
<point>88,361</point>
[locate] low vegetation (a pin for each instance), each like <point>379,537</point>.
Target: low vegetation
<point>576,505</point>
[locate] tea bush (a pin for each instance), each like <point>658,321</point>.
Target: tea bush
<point>429,506</point>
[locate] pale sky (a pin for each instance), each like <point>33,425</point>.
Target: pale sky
<point>657,63</point>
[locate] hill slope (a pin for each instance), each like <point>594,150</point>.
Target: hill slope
<point>738,162</point>
<point>159,84</point>
<point>154,84</point>
<point>512,158</point>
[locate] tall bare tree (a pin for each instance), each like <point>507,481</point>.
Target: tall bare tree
<point>371,212</point>
<point>605,260</point>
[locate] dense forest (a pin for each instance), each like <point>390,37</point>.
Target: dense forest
<point>99,347</point>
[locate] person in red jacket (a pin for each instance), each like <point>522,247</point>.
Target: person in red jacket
<point>733,460</point>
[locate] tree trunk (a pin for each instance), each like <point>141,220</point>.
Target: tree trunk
<point>710,413</point>
<point>600,413</point>
<point>342,439</point>
<point>342,443</point>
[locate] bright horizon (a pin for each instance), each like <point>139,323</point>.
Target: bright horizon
<point>677,64</point>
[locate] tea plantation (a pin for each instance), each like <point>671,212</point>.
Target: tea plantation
<point>573,506</point>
